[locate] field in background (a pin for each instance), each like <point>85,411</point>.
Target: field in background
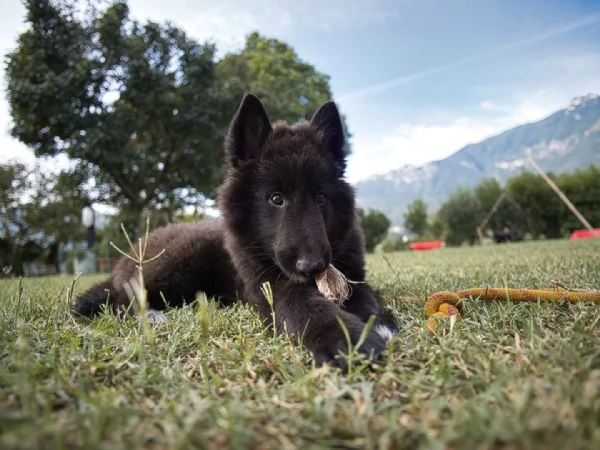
<point>508,375</point>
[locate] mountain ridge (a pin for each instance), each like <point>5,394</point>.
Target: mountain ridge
<point>565,140</point>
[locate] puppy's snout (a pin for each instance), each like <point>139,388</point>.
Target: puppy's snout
<point>310,266</point>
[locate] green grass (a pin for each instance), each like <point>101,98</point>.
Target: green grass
<point>507,376</point>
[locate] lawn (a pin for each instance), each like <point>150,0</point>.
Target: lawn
<point>506,376</point>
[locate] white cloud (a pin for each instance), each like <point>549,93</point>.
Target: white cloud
<point>227,22</point>
<point>416,143</point>
<point>487,105</point>
<point>219,22</point>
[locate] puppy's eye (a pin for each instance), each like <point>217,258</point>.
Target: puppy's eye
<point>320,198</point>
<point>276,199</point>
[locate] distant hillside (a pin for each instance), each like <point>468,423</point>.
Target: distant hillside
<point>564,141</point>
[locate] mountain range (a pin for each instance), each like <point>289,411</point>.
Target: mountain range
<point>562,142</point>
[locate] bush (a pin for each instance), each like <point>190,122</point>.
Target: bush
<point>394,244</point>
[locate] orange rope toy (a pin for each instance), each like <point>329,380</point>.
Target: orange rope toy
<point>445,304</point>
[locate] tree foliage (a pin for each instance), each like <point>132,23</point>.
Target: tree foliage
<point>582,187</point>
<point>290,88</point>
<point>462,214</point>
<point>133,101</point>
<point>375,227</point>
<point>141,107</point>
<point>14,185</point>
<point>488,192</point>
<point>528,205</point>
<point>540,204</point>
<point>507,213</point>
<point>38,209</point>
<point>436,227</point>
<point>416,218</point>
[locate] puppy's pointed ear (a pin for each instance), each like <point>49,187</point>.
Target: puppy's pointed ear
<point>328,123</point>
<point>248,131</point>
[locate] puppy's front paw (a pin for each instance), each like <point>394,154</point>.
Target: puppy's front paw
<point>333,349</point>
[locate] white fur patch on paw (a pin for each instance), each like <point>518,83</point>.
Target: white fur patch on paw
<point>384,332</point>
<point>154,316</point>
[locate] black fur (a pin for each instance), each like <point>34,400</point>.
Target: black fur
<point>287,214</point>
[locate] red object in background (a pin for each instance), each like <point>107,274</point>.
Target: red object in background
<point>585,234</point>
<point>426,245</point>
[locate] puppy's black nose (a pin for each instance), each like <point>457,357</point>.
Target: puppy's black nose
<point>310,266</point>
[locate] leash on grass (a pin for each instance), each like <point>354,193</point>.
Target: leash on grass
<point>445,304</point>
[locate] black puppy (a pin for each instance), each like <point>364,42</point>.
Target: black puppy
<point>287,214</point>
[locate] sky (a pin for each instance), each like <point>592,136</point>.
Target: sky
<point>417,79</point>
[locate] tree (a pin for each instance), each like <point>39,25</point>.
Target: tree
<point>290,88</point>
<point>375,226</point>
<point>436,227</point>
<point>508,213</point>
<point>142,109</point>
<point>14,185</point>
<point>415,218</point>
<point>38,209</point>
<point>582,188</point>
<point>541,205</point>
<point>134,104</point>
<point>488,191</point>
<point>55,207</point>
<point>461,214</point>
